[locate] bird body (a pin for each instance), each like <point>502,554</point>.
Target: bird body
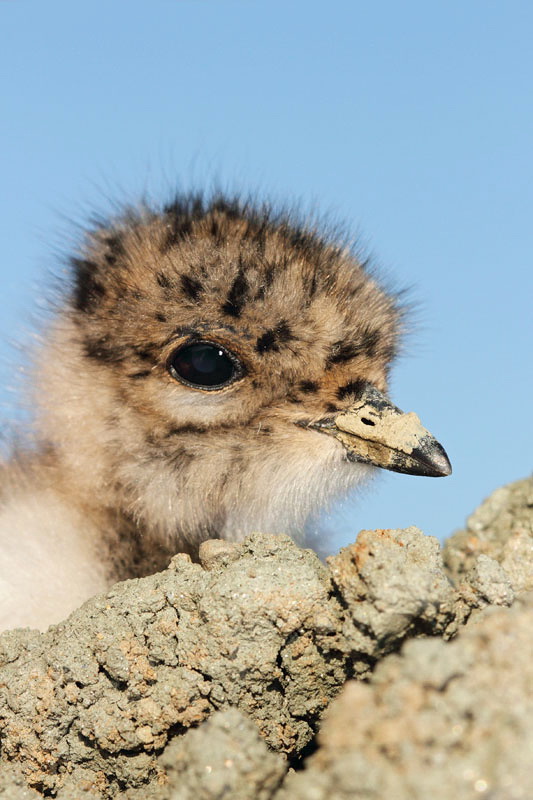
<point>199,381</point>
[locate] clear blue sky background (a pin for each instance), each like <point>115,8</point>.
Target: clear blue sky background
<point>413,121</point>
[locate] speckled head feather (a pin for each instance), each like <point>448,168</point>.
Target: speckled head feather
<point>308,325</point>
<point>144,461</point>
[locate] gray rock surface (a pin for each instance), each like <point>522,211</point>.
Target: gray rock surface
<point>500,529</point>
<point>445,720</point>
<point>223,758</point>
<point>13,785</point>
<point>200,681</point>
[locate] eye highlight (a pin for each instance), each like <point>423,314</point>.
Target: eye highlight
<point>204,365</point>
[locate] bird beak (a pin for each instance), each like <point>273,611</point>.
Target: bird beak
<point>375,432</point>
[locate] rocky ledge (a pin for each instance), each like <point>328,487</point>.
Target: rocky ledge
<point>395,671</point>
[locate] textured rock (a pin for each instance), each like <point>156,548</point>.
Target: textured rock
<point>224,758</point>
<point>200,681</point>
<point>500,529</point>
<point>262,626</point>
<point>393,587</point>
<point>13,785</point>
<point>442,720</point>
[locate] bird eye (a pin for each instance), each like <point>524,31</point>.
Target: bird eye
<point>204,365</point>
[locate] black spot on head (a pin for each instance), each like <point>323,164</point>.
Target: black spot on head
<point>163,280</point>
<point>100,350</point>
<point>230,207</point>
<point>266,342</point>
<point>190,286</point>
<point>370,342</point>
<point>184,205</point>
<point>343,351</point>
<point>88,289</point>
<point>331,408</point>
<point>182,214</point>
<point>308,387</point>
<point>236,298</point>
<point>353,387</point>
<point>303,240</point>
<point>271,339</point>
<point>160,317</point>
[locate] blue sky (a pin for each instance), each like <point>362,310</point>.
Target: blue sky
<point>411,121</point>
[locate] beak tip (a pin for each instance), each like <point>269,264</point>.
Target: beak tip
<point>444,470</point>
<point>434,460</point>
<point>447,469</point>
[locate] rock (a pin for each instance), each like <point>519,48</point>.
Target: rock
<point>223,758</point>
<point>442,720</point>
<point>208,680</point>
<point>394,586</point>
<point>266,629</point>
<point>13,785</point>
<point>502,529</point>
<point>490,582</point>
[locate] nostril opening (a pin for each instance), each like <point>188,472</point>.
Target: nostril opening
<point>367,421</point>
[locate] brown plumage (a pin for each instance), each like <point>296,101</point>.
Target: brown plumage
<point>183,393</point>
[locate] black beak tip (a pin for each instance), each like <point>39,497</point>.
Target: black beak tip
<point>432,459</point>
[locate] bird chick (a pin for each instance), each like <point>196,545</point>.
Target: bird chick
<point>215,368</point>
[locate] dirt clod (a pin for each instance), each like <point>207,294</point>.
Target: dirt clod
<point>207,680</point>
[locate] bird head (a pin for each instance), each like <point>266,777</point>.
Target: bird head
<point>221,368</point>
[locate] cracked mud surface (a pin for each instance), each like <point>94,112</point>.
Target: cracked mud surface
<point>210,680</point>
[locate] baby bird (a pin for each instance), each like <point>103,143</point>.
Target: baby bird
<point>216,368</point>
